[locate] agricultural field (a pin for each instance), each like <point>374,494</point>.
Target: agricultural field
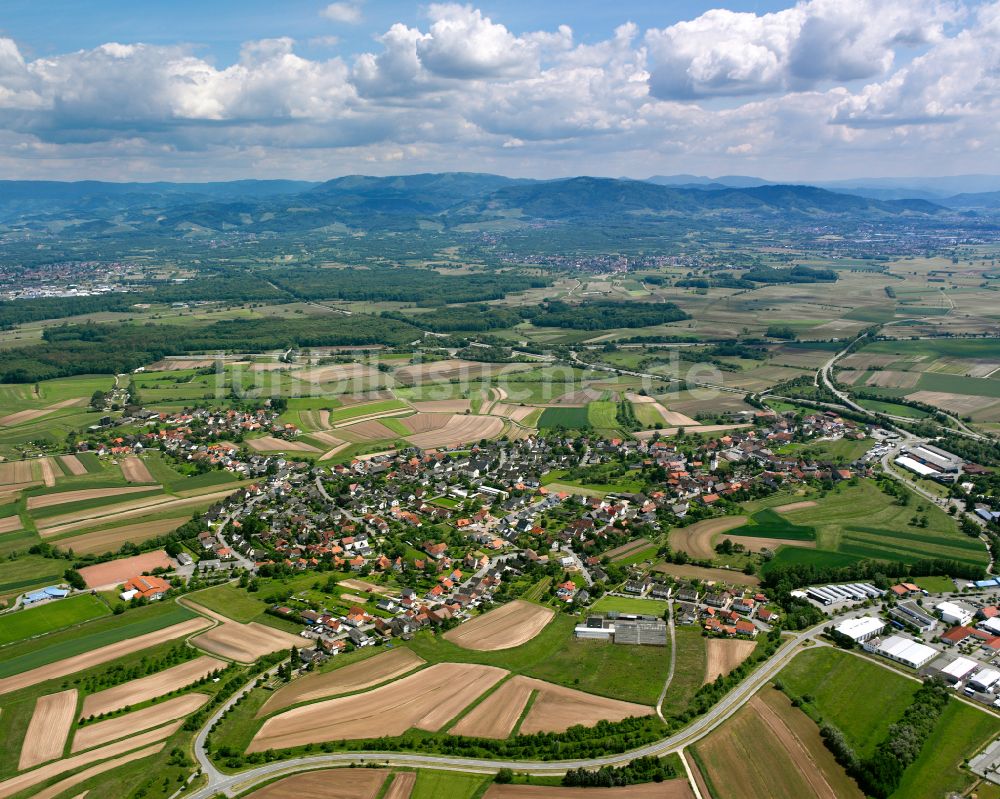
<point>51,616</point>
<point>624,604</point>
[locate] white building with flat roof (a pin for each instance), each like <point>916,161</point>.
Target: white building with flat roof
<point>959,669</point>
<point>903,650</point>
<point>861,629</point>
<point>952,613</point>
<point>985,679</point>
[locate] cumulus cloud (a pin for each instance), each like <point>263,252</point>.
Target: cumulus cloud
<point>822,82</point>
<point>349,13</point>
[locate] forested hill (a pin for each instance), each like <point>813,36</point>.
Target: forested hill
<point>412,202</point>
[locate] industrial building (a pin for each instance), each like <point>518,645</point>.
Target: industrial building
<point>927,460</point>
<point>624,629</point>
<point>953,613</point>
<point>958,669</point>
<point>985,680</point>
<point>902,650</point>
<point>912,615</point>
<point>861,629</point>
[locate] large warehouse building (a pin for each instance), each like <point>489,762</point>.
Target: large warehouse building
<point>903,650</point>
<point>861,629</point>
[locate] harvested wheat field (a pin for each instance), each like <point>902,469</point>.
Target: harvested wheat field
<point>806,503</point>
<point>39,775</point>
<point>48,729</point>
<point>503,628</point>
<point>338,372</point>
<point>103,732</point>
<point>556,709</point>
<point>724,655</point>
<point>59,788</point>
<point>425,422</point>
<point>135,471</point>
<point>402,785</point>
<point>15,473</point>
<point>103,654</point>
<point>757,543</point>
<point>516,412</point>
<point>63,497</point>
<point>627,548</point>
<point>887,378</point>
<point>244,642</point>
<point>579,397</point>
<point>73,464</point>
<point>962,404</point>
<point>103,575</point>
<point>671,789</point>
<point>426,700</point>
<point>48,472</point>
<point>355,677</point>
<point>29,416</point>
<point>146,688</point>
<point>443,406</point>
<point>340,783</point>
<point>8,524</point>
<point>496,715</point>
<point>110,540</point>
<point>696,539</point>
<point>460,429</point>
<point>371,430</point>
<point>272,444</point>
<point>331,452</point>
<point>327,438</point>
<point>57,525</point>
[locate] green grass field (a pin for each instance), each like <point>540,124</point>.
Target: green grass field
<point>834,679</point>
<point>768,523</point>
<point>860,522</point>
<point>448,785</point>
<point>569,418</point>
<point>354,411</point>
<point>30,571</point>
<point>100,632</point>
<point>231,601</point>
<point>692,659</point>
<point>49,617</point>
<point>625,604</point>
<point>893,409</point>
<point>602,415</point>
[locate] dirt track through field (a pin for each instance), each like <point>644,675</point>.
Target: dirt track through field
<point>496,715</point>
<point>146,688</point>
<point>340,783</point>
<point>348,679</point>
<point>59,788</point>
<point>503,628</point>
<point>725,655</point>
<point>113,572</point>
<point>244,642</point>
<point>64,497</point>
<point>74,464</point>
<point>672,789</point>
<point>402,785</point>
<point>57,525</point>
<point>29,416</point>
<point>135,471</point>
<point>426,700</point>
<point>101,541</point>
<point>556,709</point>
<point>24,781</point>
<point>103,732</point>
<point>95,657</point>
<point>459,429</point>
<point>48,729</point>
<point>696,539</point>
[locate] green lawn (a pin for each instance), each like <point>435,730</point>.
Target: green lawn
<point>231,601</point>
<point>570,418</point>
<point>936,585</point>
<point>690,671</point>
<point>624,604</point>
<point>447,785</point>
<point>858,697</point>
<point>49,617</point>
<point>100,632</point>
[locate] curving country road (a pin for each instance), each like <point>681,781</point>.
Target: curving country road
<point>232,784</point>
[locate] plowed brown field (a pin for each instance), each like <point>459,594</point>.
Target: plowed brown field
<point>244,642</point>
<point>102,732</point>
<point>47,731</point>
<point>426,700</point>
<point>696,539</point>
<point>402,785</point>
<point>725,655</point>
<point>672,789</point>
<point>556,709</point>
<point>340,783</point>
<point>146,688</point>
<point>110,540</point>
<point>74,464</point>
<point>135,470</point>
<point>458,430</point>
<point>110,574</point>
<point>59,788</point>
<point>355,677</point>
<point>496,715</point>
<point>503,628</point>
<point>63,497</point>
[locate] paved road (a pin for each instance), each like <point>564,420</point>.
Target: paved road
<point>232,784</point>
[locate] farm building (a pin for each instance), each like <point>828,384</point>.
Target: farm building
<point>953,613</point>
<point>958,669</point>
<point>596,629</point>
<point>147,587</point>
<point>902,650</point>
<point>52,592</point>
<point>911,614</point>
<point>861,629</point>
<point>648,632</point>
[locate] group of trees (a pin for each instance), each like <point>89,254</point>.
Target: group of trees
<point>643,769</point>
<point>602,314</point>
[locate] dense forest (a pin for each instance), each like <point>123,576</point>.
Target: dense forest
<point>603,314</point>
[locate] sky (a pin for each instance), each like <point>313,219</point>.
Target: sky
<point>218,90</point>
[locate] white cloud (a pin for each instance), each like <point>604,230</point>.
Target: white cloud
<point>348,13</point>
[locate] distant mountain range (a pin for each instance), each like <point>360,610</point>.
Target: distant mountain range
<point>451,199</point>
